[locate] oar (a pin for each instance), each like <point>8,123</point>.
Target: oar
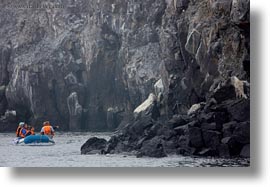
<point>56,127</point>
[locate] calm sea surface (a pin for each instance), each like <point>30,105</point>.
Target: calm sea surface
<point>66,153</point>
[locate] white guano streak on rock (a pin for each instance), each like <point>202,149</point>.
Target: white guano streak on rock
<point>239,87</point>
<point>159,87</point>
<point>14,81</point>
<point>194,108</point>
<point>146,104</point>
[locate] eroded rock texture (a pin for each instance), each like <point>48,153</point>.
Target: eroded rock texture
<point>89,64</point>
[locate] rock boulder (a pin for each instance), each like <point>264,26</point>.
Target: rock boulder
<point>93,146</point>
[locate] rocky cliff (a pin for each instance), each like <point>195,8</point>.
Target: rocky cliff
<point>87,65</point>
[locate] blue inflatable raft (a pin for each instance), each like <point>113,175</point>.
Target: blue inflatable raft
<point>35,140</point>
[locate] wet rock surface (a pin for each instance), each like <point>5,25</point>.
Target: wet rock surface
<point>93,146</point>
<point>157,138</point>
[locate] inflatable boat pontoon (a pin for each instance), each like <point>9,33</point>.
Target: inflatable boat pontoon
<point>34,140</point>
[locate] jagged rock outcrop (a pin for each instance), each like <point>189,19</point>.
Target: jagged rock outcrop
<point>149,106</point>
<point>205,84</point>
<point>211,130</point>
<point>93,146</point>
<point>113,54</point>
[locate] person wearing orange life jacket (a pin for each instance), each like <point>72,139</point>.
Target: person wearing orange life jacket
<point>20,126</point>
<point>24,131</point>
<point>47,129</point>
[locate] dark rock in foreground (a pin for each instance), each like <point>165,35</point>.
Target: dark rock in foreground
<point>152,148</point>
<point>93,146</point>
<point>210,131</point>
<point>154,138</point>
<point>245,152</point>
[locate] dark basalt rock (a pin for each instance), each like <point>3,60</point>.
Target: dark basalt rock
<point>228,128</point>
<point>182,130</point>
<point>111,145</point>
<point>138,126</point>
<point>2,92</point>
<point>94,145</point>
<point>234,146</point>
<point>3,102</point>
<point>152,148</point>
<point>207,152</point>
<point>183,141</point>
<point>240,110</point>
<point>242,133</point>
<point>178,120</point>
<point>153,131</point>
<point>195,137</point>
<point>224,151</point>
<point>211,138</point>
<point>166,133</point>
<point>209,126</point>
<point>245,152</point>
<point>215,117</point>
<point>226,92</point>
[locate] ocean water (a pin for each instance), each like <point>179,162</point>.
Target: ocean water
<point>66,153</point>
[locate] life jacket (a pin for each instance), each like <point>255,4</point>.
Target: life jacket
<point>47,130</point>
<point>23,132</point>
<point>18,131</point>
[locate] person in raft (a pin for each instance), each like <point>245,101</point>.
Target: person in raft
<point>47,129</point>
<point>24,131</point>
<point>31,129</point>
<point>20,126</point>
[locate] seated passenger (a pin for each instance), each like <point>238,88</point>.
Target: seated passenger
<point>32,130</point>
<point>24,131</point>
<point>19,129</point>
<point>47,129</point>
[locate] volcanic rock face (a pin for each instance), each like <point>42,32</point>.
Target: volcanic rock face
<point>212,130</point>
<point>88,64</point>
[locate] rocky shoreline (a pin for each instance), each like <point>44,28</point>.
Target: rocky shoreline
<point>219,127</point>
